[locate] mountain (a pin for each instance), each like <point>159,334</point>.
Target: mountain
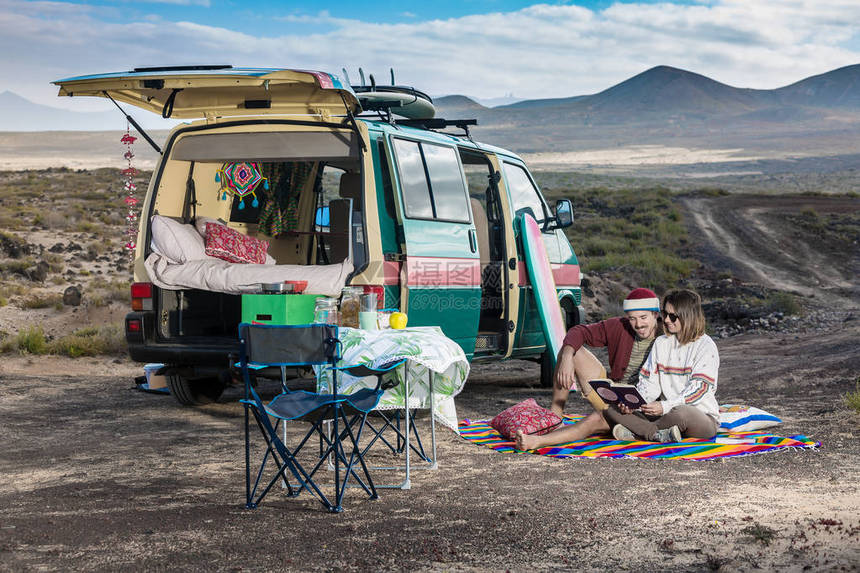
<point>20,114</point>
<point>660,106</point>
<point>838,88</point>
<point>670,106</point>
<point>457,105</point>
<point>665,89</point>
<point>548,102</point>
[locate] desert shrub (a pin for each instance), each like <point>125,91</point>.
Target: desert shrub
<point>43,301</point>
<point>761,533</point>
<point>10,268</point>
<point>13,245</point>
<point>633,234</point>
<point>852,399</point>
<point>87,227</point>
<point>11,289</point>
<point>91,341</point>
<point>30,340</point>
<point>56,262</point>
<point>785,303</point>
<point>711,192</point>
<point>52,219</point>
<point>109,290</point>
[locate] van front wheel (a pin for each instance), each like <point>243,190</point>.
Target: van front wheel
<point>195,391</point>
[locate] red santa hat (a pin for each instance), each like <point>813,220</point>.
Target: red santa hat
<point>642,299</point>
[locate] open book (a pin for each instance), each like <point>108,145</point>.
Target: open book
<point>617,393</point>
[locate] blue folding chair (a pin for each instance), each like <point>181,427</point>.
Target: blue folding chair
<point>283,346</point>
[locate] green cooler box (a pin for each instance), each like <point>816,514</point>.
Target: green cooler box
<point>278,308</point>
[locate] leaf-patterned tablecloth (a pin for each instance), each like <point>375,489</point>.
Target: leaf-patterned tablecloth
<point>425,347</point>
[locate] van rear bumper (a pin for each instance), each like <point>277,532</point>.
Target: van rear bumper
<point>143,347</point>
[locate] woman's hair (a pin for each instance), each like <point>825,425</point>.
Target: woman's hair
<point>688,307</point>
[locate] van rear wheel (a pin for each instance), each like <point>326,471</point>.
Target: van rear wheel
<point>195,391</point>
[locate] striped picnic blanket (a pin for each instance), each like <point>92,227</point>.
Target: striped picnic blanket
<point>724,445</point>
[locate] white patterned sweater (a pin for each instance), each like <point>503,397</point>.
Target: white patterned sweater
<point>682,374</point>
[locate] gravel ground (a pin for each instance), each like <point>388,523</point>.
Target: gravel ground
<point>97,476</point>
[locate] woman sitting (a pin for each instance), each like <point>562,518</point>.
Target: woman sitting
<point>678,380</point>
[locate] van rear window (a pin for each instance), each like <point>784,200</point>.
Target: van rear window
<point>431,181</point>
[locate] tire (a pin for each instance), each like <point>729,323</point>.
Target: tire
<point>196,391</point>
<point>546,370</point>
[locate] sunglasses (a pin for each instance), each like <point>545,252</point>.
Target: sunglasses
<point>671,316</point>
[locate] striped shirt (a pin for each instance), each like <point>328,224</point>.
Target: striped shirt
<point>682,374</point>
<point>641,348</point>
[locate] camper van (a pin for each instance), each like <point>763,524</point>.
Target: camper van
<point>350,186</point>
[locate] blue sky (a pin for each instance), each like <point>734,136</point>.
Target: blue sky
<point>481,48</point>
<point>255,17</point>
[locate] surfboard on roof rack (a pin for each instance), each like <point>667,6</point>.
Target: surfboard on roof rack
<point>400,100</point>
<point>404,101</point>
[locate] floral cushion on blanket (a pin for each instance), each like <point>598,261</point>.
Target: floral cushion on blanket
<point>231,245</point>
<point>739,418</point>
<point>526,416</point>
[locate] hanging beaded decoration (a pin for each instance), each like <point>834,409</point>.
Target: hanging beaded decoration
<point>240,179</point>
<point>130,200</point>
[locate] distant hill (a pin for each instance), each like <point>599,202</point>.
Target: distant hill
<point>663,105</point>
<point>666,90</point>
<point>20,114</point>
<point>671,106</point>
<point>838,88</point>
<point>458,105</point>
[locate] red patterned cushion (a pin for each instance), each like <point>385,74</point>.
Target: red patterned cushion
<point>231,245</point>
<point>526,416</point>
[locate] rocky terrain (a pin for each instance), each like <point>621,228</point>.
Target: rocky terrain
<point>98,476</point>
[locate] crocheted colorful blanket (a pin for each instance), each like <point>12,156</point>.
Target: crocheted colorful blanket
<point>724,445</point>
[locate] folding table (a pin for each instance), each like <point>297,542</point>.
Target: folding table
<point>434,373</point>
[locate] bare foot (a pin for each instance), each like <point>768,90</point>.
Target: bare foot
<point>525,442</point>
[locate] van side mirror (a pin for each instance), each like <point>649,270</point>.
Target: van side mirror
<point>563,213</point>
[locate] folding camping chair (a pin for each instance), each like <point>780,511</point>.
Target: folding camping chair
<point>306,345</point>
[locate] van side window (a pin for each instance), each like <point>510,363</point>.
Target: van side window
<point>413,180</point>
<point>432,181</point>
<point>524,195</point>
<point>446,183</point>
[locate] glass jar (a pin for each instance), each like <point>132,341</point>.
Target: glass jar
<point>325,311</point>
<point>349,306</point>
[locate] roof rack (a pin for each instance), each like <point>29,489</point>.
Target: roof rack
<point>184,68</point>
<point>438,123</point>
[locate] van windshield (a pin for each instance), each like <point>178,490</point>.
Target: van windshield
<point>524,194</point>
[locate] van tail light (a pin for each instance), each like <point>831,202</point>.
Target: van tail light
<point>141,296</point>
<point>379,291</point>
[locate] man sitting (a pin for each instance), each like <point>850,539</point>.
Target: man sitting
<point>628,340</point>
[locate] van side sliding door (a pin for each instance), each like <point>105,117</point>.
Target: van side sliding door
<point>441,272</point>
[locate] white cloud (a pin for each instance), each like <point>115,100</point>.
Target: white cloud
<point>540,51</point>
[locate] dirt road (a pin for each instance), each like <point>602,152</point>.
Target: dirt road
<point>97,476</point>
<point>759,239</point>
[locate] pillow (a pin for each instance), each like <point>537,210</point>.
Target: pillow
<point>738,418</point>
<point>231,245</point>
<point>526,416</point>
<point>176,241</point>
<point>200,224</point>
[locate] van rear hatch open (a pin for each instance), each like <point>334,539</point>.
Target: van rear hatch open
<point>219,91</point>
